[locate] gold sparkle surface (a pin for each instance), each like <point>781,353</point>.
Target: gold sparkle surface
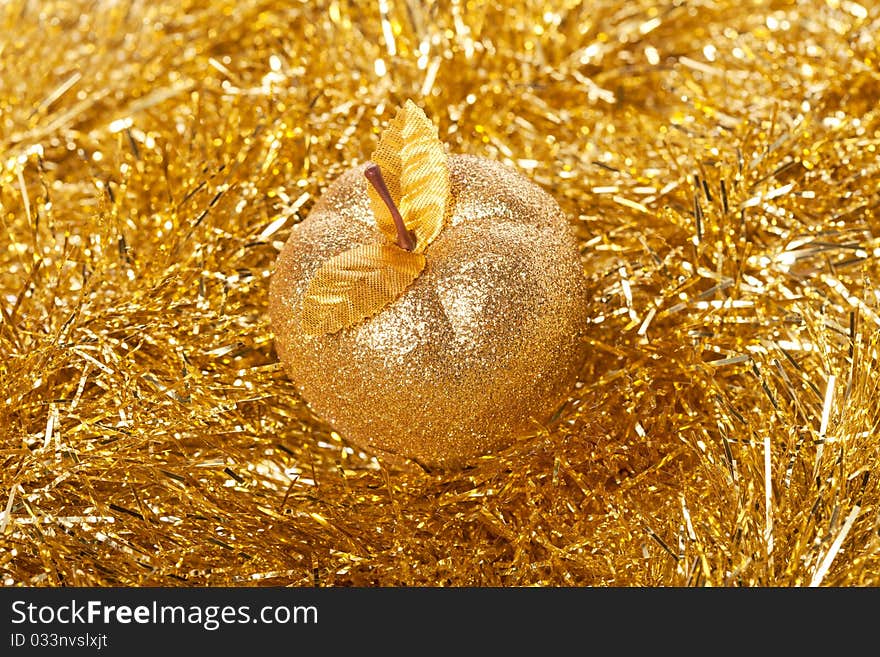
<point>717,161</point>
<point>482,346</point>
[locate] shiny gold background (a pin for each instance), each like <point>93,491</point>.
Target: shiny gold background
<point>719,160</point>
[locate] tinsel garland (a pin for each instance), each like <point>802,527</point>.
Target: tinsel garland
<point>718,159</point>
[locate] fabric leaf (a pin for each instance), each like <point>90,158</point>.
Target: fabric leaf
<point>424,178</point>
<point>357,284</point>
<point>413,164</point>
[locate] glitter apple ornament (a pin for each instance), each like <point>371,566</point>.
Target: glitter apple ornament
<point>430,308</point>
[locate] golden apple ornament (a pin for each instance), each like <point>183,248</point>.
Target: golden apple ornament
<point>430,308</point>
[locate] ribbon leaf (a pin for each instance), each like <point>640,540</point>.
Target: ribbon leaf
<point>413,164</point>
<point>357,284</point>
<point>360,282</point>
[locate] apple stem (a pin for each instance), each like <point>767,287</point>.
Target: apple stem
<point>405,238</point>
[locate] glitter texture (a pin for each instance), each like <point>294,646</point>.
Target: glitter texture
<point>482,347</point>
<point>718,161</point>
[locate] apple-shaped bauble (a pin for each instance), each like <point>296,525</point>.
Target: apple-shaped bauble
<point>430,308</point>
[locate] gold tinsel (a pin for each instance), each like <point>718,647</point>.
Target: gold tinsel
<point>719,160</point>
